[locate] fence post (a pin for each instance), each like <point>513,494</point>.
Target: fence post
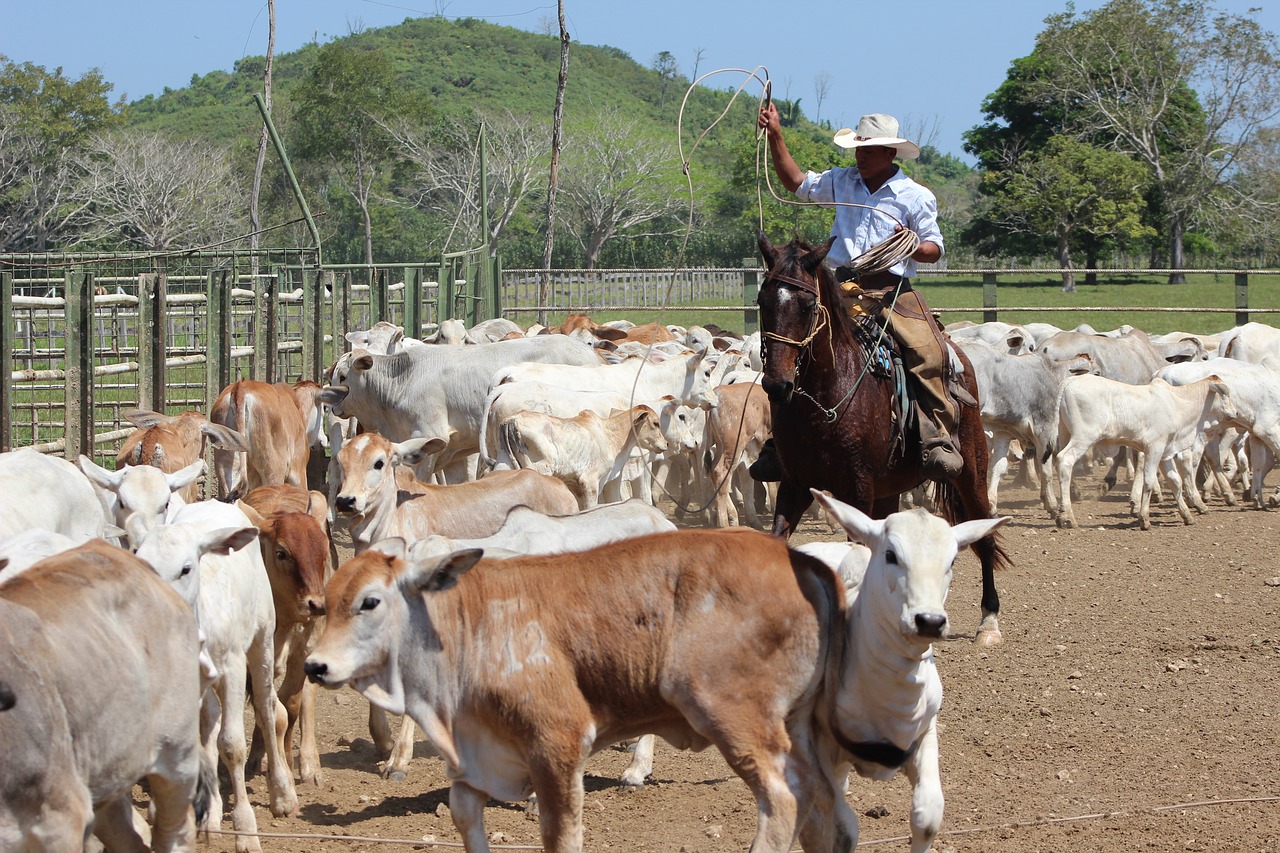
<point>988,297</point>
<point>413,302</point>
<point>219,338</point>
<point>1242,298</point>
<point>264,325</point>
<point>750,293</point>
<point>495,298</point>
<point>341,299</point>
<point>153,333</point>
<point>448,286</point>
<point>377,296</point>
<point>312,330</point>
<point>6,361</point>
<point>79,363</point>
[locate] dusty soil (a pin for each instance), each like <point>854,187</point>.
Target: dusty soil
<point>1132,705</point>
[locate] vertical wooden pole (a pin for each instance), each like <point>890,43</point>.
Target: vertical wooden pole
<point>1242,298</point>
<point>341,301</point>
<point>312,325</point>
<point>378,296</point>
<point>79,363</point>
<point>413,302</point>
<point>7,340</point>
<point>219,339</point>
<point>750,293</point>
<point>264,326</point>
<point>988,297</point>
<point>153,333</point>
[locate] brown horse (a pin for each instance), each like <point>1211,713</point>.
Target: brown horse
<point>833,421</point>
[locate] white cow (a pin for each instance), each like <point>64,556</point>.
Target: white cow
<point>1255,394</point>
<point>140,490</point>
<point>437,392</point>
<point>203,555</point>
<point>884,710</point>
<point>586,451</point>
<point>98,659</point>
<point>1005,337</point>
<point>1251,342</point>
<point>511,398</point>
<point>684,378</point>
<point>1157,419</point>
<point>47,492</point>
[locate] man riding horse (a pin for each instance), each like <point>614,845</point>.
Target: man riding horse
<point>877,182</point>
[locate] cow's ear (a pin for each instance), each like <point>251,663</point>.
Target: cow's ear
<point>109,480</point>
<point>436,574</point>
<point>392,546</point>
<point>362,361</point>
<point>968,532</point>
<point>333,394</point>
<point>414,450</point>
<point>145,418</point>
<point>184,477</point>
<point>224,540</point>
<point>224,437</point>
<point>252,514</point>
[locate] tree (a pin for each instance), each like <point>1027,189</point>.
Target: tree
<point>553,174</point>
<point>1073,191</point>
<point>667,67</point>
<point>446,169</point>
<point>45,119</point>
<point>1174,84</point>
<point>342,108</point>
<point>153,192</point>
<point>610,182</point>
<point>822,82</point>
<point>697,60</point>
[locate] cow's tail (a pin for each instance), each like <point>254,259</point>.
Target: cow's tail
<point>489,431</point>
<point>206,786</point>
<point>512,444</point>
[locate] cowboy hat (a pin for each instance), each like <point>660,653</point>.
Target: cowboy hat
<point>877,129</point>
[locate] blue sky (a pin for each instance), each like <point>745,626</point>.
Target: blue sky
<point>930,62</point>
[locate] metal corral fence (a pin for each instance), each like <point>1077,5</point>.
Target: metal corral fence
<point>84,338</point>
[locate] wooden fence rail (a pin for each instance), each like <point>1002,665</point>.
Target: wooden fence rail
<point>82,341</point>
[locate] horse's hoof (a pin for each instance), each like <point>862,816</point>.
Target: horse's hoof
<point>395,776</point>
<point>989,637</point>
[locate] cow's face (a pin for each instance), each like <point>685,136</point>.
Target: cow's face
<point>296,552</point>
<point>682,426</point>
<point>698,390</point>
<point>174,550</point>
<point>909,575</point>
<point>648,431</point>
<point>367,603</point>
<point>367,465</point>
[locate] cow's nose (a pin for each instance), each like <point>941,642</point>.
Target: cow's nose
<point>314,605</point>
<point>316,671</point>
<point>930,624</point>
<point>345,503</point>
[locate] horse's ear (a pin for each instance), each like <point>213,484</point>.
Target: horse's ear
<point>814,258</point>
<point>766,249</point>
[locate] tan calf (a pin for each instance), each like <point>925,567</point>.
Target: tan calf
<point>99,660</point>
<point>293,536</point>
<point>518,670</point>
<point>269,418</point>
<point>172,442</point>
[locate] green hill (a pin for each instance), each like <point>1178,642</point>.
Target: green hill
<point>458,66</point>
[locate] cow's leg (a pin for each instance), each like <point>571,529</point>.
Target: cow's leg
<point>1179,486</point>
<point>231,746</point>
<point>466,807</point>
<point>380,731</point>
<point>113,824</point>
<point>641,766</point>
<point>298,696</point>
<point>274,721</point>
<point>830,826</point>
<point>1047,498</point>
<point>926,791</point>
<point>1150,472</point>
<point>560,796</point>
<point>999,464</point>
<point>397,767</point>
<point>1066,463</point>
<point>210,729</point>
<point>1188,465</point>
<point>175,828</point>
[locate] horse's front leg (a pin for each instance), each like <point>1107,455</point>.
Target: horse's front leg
<point>791,503</point>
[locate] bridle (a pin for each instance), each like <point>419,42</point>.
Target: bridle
<point>820,318</point>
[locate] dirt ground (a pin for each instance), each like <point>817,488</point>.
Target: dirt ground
<point>1132,705</point>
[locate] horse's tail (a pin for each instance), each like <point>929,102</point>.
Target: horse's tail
<point>948,500</point>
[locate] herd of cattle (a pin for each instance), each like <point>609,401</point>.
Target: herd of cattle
<point>136,620</point>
